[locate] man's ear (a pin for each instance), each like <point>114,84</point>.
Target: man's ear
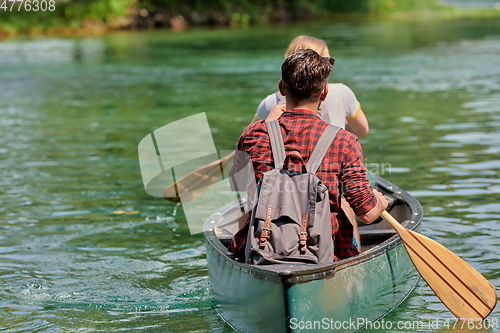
<point>324,92</point>
<point>281,87</point>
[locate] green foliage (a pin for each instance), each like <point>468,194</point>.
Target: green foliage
<point>100,15</point>
<point>70,13</point>
<point>382,6</point>
<point>379,6</point>
<point>14,21</point>
<point>97,10</point>
<point>245,11</point>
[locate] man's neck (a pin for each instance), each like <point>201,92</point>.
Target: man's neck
<point>313,106</point>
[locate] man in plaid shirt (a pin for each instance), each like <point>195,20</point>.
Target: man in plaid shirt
<point>304,83</point>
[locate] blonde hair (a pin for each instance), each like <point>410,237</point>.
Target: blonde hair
<point>306,42</point>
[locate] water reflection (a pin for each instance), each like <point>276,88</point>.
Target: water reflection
<point>51,50</point>
<point>446,67</point>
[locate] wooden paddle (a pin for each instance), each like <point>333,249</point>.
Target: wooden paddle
<point>464,291</point>
<point>197,181</point>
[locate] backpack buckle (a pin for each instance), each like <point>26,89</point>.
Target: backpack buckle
<point>266,229</point>
<point>303,232</point>
<point>264,236</point>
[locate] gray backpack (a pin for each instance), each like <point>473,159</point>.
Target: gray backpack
<point>290,221</point>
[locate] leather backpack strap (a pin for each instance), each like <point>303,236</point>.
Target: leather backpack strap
<point>321,147</point>
<point>303,232</point>
<point>277,145</point>
<point>266,228</point>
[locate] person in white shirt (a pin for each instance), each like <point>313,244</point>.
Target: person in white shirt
<point>340,108</point>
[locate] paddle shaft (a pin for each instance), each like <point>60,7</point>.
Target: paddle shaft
<point>392,221</point>
<point>197,181</point>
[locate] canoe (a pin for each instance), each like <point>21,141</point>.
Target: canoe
<point>346,296</point>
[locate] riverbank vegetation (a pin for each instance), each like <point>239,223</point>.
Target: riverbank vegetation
<point>70,17</point>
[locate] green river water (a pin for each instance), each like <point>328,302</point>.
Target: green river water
<point>73,111</point>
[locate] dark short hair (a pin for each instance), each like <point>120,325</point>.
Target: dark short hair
<point>304,74</point>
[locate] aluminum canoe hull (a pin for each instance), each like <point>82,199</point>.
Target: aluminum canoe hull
<point>340,297</point>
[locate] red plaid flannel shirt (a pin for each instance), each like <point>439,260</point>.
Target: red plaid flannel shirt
<point>342,170</point>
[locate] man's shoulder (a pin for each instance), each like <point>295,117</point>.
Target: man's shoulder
<point>252,129</point>
<point>347,136</point>
<point>256,125</point>
<point>343,139</point>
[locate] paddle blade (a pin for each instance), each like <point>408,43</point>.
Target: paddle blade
<point>464,291</point>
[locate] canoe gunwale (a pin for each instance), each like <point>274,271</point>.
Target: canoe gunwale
<point>296,273</point>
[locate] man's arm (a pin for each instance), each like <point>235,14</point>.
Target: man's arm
<point>375,212</point>
<point>241,167</point>
<point>366,202</point>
